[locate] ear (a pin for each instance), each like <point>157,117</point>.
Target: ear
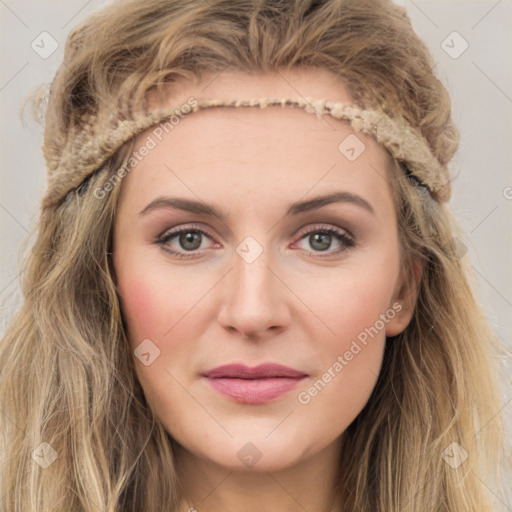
<point>404,299</point>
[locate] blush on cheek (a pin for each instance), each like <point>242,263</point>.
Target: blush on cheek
<point>140,309</point>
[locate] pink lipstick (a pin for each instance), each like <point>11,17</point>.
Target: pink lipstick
<point>256,385</point>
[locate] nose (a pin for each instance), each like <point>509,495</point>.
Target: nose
<point>255,303</point>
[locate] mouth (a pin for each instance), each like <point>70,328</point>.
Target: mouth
<point>257,385</point>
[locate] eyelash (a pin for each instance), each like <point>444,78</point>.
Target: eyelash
<point>342,237</point>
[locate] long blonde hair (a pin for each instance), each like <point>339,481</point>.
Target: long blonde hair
<point>67,375</point>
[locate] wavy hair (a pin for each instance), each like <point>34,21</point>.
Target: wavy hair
<point>67,375</point>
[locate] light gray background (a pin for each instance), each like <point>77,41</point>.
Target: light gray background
<point>479,81</point>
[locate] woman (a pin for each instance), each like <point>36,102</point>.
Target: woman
<point>248,308</point>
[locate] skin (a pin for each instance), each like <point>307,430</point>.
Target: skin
<point>290,305</point>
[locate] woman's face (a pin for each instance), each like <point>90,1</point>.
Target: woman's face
<point>256,237</point>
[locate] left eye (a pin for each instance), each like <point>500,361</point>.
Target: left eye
<point>319,238</point>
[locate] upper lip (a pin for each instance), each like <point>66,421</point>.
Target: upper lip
<point>261,371</point>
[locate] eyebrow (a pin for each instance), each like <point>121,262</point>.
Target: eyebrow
<point>199,207</point>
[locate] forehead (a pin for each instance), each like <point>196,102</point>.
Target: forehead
<point>262,157</point>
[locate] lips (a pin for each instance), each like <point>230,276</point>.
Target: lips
<point>256,385</point>
<point>263,371</point>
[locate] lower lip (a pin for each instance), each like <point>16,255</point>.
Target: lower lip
<point>254,391</point>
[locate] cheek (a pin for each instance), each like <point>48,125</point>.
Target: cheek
<point>355,305</point>
<point>150,312</point>
<point>140,305</point>
<point>138,300</point>
<point>154,304</point>
<point>349,360</point>
<point>351,301</point>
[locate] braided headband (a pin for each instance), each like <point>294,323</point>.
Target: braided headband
<point>89,146</point>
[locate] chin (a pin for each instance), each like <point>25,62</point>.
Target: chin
<point>257,450</point>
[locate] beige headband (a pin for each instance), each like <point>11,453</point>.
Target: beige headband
<point>89,146</point>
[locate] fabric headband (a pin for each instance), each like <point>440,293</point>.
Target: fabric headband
<point>89,145</point>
